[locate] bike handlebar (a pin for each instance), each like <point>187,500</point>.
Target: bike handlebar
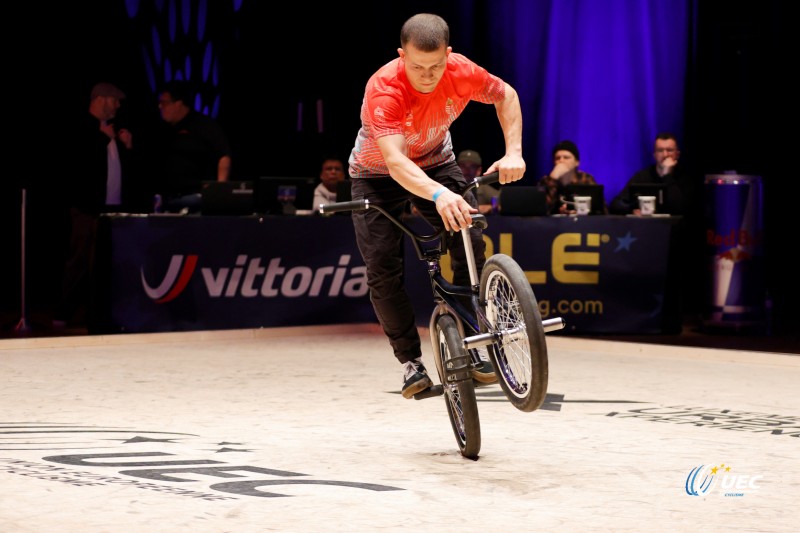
<point>361,205</point>
<point>353,205</point>
<point>486,179</point>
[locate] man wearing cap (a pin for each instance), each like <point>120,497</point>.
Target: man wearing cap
<point>98,155</point>
<point>566,159</point>
<point>472,166</point>
<point>101,152</point>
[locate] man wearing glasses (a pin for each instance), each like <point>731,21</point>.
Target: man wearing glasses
<point>194,149</point>
<point>679,191</point>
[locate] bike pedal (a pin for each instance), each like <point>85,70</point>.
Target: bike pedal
<point>430,392</point>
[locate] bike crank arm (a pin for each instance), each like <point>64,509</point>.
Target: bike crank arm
<point>430,392</point>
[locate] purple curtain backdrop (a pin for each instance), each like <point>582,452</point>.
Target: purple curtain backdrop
<point>607,74</point>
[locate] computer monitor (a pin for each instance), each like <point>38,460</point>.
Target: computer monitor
<point>227,198</point>
<point>284,195</point>
<point>522,201</point>
<point>659,190</point>
<point>594,190</point>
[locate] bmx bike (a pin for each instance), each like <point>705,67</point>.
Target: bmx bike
<point>496,317</point>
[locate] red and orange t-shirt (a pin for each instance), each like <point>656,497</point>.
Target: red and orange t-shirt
<point>391,106</point>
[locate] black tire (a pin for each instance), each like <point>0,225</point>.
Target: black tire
<point>454,366</point>
<point>520,360</point>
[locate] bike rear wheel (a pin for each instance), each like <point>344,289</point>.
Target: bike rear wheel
<point>521,356</point>
<point>454,366</point>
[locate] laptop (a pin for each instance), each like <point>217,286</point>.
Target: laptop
<point>522,201</point>
<point>227,198</point>
<point>595,190</point>
<point>659,190</point>
<point>284,195</point>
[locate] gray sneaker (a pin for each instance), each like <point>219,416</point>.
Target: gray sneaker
<point>415,378</point>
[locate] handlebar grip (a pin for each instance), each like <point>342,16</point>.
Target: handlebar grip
<point>486,179</point>
<point>354,205</point>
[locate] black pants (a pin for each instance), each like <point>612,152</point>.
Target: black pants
<point>381,245</point>
<point>76,284</point>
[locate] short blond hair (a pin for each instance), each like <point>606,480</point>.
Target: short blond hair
<point>426,31</point>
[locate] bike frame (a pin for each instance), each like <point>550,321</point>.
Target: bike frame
<point>446,294</point>
<point>449,297</point>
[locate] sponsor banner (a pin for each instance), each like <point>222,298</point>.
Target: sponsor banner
<point>601,274</point>
<point>195,273</point>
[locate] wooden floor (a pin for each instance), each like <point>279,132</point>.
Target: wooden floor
<point>304,429</point>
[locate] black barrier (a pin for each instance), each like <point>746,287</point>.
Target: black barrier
<point>603,274</point>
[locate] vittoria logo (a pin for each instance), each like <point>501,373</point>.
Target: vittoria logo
<point>177,277</point>
<point>249,278</point>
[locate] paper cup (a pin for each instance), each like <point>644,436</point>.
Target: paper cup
<point>583,204</point>
<point>647,205</point>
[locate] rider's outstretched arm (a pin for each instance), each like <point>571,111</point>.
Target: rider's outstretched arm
<point>511,166</point>
<point>454,210</point>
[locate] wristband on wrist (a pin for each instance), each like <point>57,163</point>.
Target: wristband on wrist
<point>438,193</point>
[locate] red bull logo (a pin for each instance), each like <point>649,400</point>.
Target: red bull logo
<point>736,237</point>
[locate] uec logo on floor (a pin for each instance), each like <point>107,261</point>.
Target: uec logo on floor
<point>703,478</point>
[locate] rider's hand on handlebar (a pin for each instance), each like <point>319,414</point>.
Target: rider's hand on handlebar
<point>456,213</point>
<point>510,167</point>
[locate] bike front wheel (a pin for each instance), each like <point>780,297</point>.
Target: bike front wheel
<point>454,366</point>
<point>520,357</point>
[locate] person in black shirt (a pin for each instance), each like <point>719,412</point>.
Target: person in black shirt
<point>196,149</point>
<point>665,170</point>
<point>565,172</point>
<point>99,155</point>
<point>682,200</point>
